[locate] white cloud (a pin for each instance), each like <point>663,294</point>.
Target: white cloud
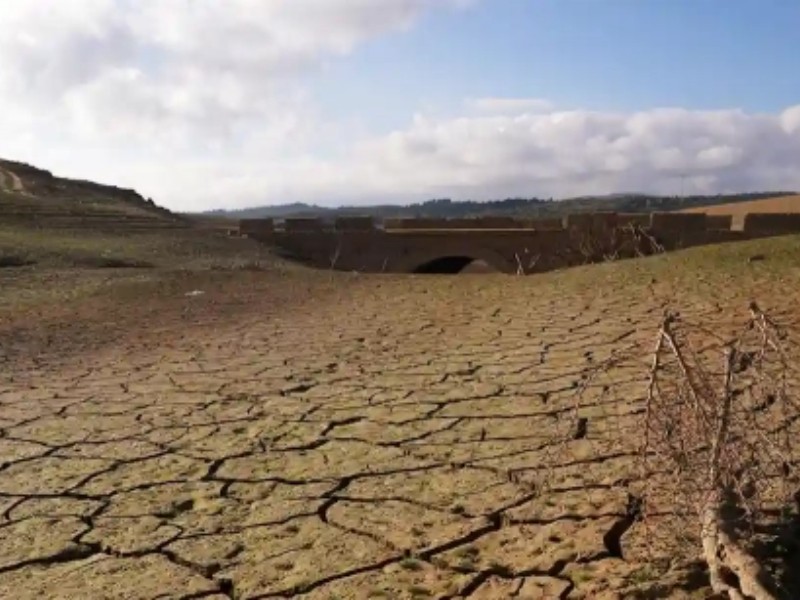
<point>183,71</point>
<point>110,88</point>
<point>552,154</point>
<point>583,152</point>
<point>202,103</point>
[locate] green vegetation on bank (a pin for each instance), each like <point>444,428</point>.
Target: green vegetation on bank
<point>173,249</point>
<point>519,207</point>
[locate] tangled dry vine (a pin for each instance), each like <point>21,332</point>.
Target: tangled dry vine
<point>716,446</point>
<point>610,245</point>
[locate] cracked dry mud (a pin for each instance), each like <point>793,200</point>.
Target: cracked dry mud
<point>322,438</point>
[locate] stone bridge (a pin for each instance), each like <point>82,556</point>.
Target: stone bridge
<point>507,245</point>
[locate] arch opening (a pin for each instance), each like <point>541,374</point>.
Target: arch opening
<point>453,265</point>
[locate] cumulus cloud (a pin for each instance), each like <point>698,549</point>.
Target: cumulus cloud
<point>560,153</point>
<point>202,104</point>
<point>58,45</point>
<point>183,70</point>
<point>552,154</point>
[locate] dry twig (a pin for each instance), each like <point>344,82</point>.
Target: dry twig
<point>716,442</point>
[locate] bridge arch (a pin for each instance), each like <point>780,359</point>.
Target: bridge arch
<point>447,265</point>
<point>453,260</point>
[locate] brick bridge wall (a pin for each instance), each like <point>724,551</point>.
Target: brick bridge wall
<point>509,245</point>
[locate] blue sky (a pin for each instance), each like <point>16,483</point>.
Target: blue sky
<point>203,104</point>
<point>601,54</point>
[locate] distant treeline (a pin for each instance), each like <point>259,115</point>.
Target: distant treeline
<point>522,207</point>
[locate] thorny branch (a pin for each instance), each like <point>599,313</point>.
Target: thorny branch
<point>717,442</point>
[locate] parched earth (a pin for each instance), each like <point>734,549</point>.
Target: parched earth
<point>317,436</point>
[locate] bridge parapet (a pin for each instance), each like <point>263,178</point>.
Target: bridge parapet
<point>594,222</point>
<point>354,224</point>
<point>678,222</point>
<point>719,222</point>
<point>599,221</point>
<point>415,223</point>
<point>509,245</point>
<point>488,223</point>
<point>772,223</point>
<point>551,224</point>
<point>303,225</point>
<point>633,220</point>
<point>256,227</point>
<point>472,223</point>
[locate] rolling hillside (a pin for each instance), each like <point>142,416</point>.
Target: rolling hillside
<point>34,197</point>
<point>782,204</point>
<point>48,222</point>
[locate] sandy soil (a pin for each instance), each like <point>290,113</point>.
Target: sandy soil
<point>785,204</point>
<point>328,436</point>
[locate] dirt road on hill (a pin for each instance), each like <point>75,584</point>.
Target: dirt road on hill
<point>10,181</point>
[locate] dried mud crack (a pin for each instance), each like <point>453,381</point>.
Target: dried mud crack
<point>396,443</point>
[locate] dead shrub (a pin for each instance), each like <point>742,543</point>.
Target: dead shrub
<point>717,467</point>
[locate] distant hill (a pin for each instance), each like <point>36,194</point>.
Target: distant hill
<point>35,197</point>
<point>528,207</point>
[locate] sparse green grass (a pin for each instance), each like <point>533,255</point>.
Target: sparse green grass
<point>501,569</point>
<point>467,558</point>
<point>643,574</point>
<point>177,249</point>
<point>67,271</point>
<point>418,591</point>
<point>458,509</point>
<point>302,587</point>
<point>39,266</point>
<point>468,551</point>
<point>411,564</point>
<point>699,265</point>
<point>581,575</point>
<point>682,271</point>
